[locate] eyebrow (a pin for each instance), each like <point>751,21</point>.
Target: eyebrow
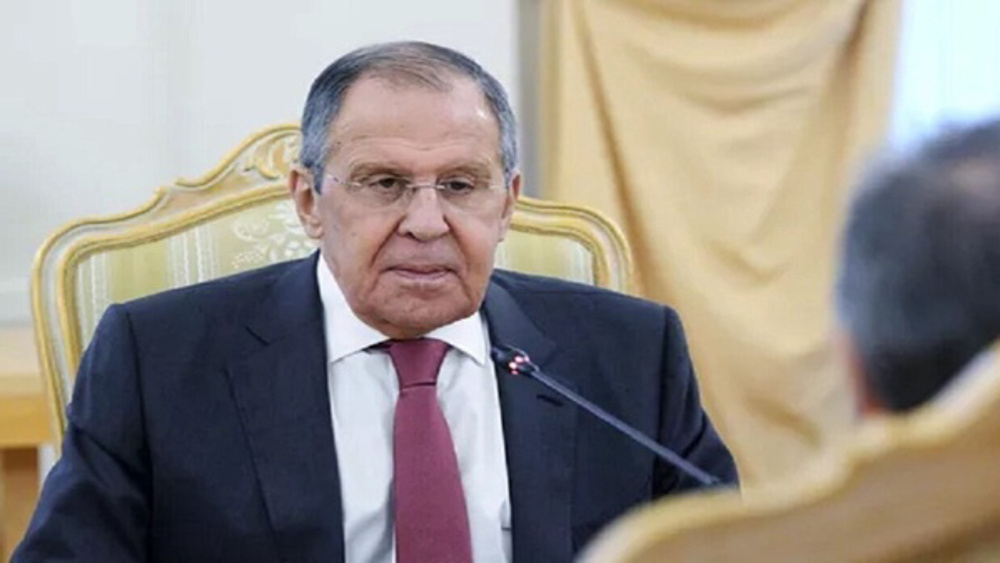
<point>473,168</point>
<point>368,168</point>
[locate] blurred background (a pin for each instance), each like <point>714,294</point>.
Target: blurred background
<point>723,137</point>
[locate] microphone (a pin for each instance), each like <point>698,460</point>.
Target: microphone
<point>518,362</point>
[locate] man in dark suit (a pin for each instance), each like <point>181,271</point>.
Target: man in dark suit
<point>344,407</point>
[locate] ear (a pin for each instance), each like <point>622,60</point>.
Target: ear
<point>513,192</point>
<point>300,184</point>
<point>866,402</point>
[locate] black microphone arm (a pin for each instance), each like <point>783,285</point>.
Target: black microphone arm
<point>518,363</point>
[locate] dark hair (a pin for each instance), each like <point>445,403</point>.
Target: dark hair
<point>413,62</point>
<point>919,285</point>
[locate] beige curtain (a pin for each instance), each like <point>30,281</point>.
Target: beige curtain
<point>722,136</point>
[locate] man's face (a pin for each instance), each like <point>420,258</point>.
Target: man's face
<point>423,262</point>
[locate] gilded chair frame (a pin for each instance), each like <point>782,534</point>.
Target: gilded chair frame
<point>918,488</point>
<point>252,173</point>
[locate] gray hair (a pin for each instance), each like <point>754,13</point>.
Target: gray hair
<point>411,62</point>
<point>919,284</point>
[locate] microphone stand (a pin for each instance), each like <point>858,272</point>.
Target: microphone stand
<point>518,362</point>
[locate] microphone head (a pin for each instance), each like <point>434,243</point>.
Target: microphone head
<point>514,360</point>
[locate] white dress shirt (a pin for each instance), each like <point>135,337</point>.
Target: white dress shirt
<point>363,390</point>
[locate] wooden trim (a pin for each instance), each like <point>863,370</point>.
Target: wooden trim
<point>24,420</point>
<point>19,485</point>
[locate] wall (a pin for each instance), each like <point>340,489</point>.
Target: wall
<point>946,74</point>
<point>103,100</point>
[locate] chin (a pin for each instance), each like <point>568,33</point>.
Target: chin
<point>414,319</point>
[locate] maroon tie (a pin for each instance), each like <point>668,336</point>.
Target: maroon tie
<point>432,525</point>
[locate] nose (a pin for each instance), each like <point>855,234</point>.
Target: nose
<point>424,218</point>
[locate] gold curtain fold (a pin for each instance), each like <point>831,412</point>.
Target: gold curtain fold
<point>723,135</point>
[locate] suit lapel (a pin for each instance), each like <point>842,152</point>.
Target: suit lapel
<point>539,433</point>
<point>282,396</point>
<point>281,392</point>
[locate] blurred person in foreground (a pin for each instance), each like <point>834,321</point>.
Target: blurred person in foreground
<point>918,293</point>
<point>345,407</point>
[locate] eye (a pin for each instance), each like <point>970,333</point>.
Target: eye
<point>385,184</point>
<point>458,186</point>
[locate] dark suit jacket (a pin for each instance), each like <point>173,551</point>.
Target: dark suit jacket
<point>200,431</point>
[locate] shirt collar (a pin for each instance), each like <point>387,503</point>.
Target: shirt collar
<point>346,334</point>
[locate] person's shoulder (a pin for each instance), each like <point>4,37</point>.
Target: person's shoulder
<point>521,282</point>
<point>554,289</point>
<point>609,321</point>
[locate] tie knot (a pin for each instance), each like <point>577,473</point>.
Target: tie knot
<point>417,361</point>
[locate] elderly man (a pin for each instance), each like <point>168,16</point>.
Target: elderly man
<point>345,407</point>
<point>919,287</point>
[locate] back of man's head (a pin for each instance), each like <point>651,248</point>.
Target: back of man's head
<point>919,287</point>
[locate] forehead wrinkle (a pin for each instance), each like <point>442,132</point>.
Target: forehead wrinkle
<point>349,131</point>
<point>477,166</point>
<point>379,155</point>
<point>480,108</point>
<point>368,134</point>
<point>345,135</point>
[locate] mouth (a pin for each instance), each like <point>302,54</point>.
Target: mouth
<point>421,274</point>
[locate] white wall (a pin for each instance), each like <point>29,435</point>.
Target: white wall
<point>947,72</point>
<point>103,100</point>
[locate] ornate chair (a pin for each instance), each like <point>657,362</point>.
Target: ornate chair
<point>237,217</point>
<point>921,488</point>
